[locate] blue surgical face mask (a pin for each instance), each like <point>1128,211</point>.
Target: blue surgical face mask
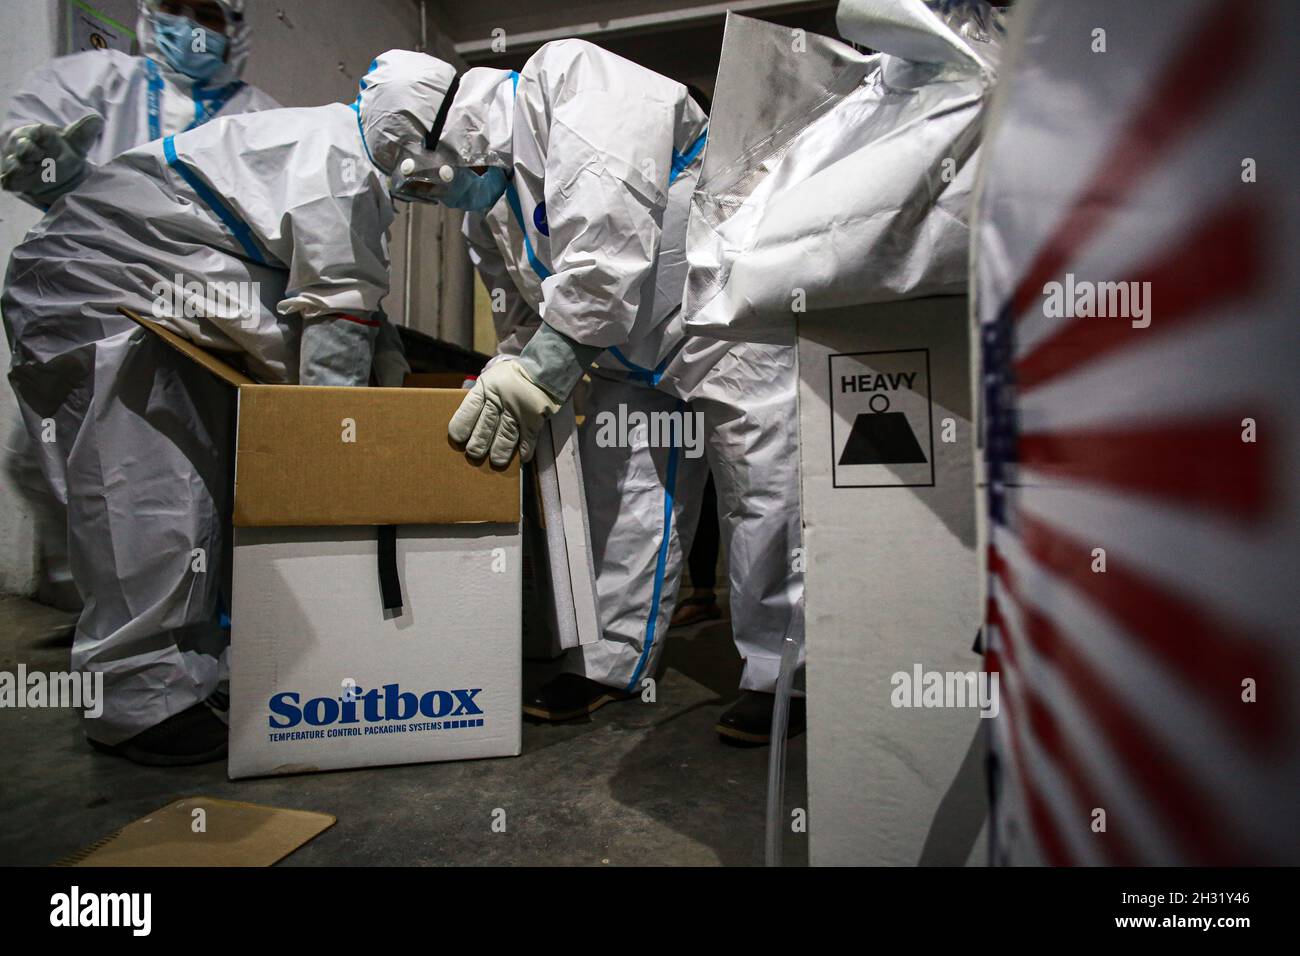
<point>474,192</point>
<point>176,39</point>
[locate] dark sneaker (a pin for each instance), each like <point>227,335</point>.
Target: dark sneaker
<point>749,720</point>
<point>696,610</point>
<point>195,735</point>
<point>570,696</point>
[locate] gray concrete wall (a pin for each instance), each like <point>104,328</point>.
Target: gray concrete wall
<point>27,39</point>
<point>311,52</point>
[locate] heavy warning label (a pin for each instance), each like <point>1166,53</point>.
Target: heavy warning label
<point>881,419</point>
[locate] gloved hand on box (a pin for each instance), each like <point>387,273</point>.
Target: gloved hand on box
<point>505,409</point>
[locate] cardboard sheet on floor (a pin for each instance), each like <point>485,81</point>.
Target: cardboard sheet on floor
<point>232,834</point>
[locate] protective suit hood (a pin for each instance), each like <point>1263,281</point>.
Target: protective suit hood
<point>400,98</point>
<point>237,38</point>
<point>481,121</point>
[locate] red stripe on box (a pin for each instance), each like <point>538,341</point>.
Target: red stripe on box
<point>1211,61</point>
<point>1199,463</point>
<point>1199,827</point>
<point>1191,639</point>
<point>1221,262</point>
<point>1044,727</point>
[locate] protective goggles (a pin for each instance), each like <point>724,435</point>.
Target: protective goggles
<point>424,175</point>
<point>412,181</point>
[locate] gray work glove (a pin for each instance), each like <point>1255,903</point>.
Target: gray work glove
<point>337,349</point>
<point>42,162</point>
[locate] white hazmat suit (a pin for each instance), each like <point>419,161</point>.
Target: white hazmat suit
<point>81,111</point>
<point>601,157</point>
<point>261,237</point>
<point>137,98</point>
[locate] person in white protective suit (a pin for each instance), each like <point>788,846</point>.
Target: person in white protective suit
<point>260,237</point>
<point>82,110</point>
<point>576,175</point>
<point>837,178</point>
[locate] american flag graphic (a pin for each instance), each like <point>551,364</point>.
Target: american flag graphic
<point>1143,533</point>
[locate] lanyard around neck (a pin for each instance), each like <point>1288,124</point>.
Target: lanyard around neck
<point>204,109</point>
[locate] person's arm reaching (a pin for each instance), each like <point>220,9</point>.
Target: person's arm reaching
<point>58,115</point>
<point>390,364</point>
<point>507,405</point>
<point>39,163</point>
<point>513,320</point>
<point>609,144</point>
<point>337,349</point>
<point>325,217</point>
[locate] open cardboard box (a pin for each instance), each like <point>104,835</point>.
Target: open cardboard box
<point>342,497</point>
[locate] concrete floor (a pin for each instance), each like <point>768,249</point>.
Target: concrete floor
<point>636,784</point>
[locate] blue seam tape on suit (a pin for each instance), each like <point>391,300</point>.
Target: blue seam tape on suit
<point>512,197</point>
<point>238,229</point>
<point>661,563</point>
<point>645,375</point>
<point>638,373</point>
<point>203,111</point>
<point>682,160</point>
<point>356,108</point>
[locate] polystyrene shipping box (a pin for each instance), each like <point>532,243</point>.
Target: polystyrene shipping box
<point>891,581</point>
<point>564,567</point>
<point>375,606</point>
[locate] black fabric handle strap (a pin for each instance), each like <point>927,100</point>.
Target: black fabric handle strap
<point>435,131</point>
<point>390,587</point>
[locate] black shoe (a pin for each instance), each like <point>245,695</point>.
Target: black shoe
<point>195,735</point>
<point>695,610</point>
<point>569,696</point>
<point>749,720</point>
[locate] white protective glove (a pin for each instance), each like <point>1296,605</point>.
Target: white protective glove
<point>509,402</point>
<point>503,411</point>
<point>25,160</point>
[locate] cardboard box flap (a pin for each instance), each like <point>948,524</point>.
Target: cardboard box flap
<point>196,354</point>
<point>311,456</point>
